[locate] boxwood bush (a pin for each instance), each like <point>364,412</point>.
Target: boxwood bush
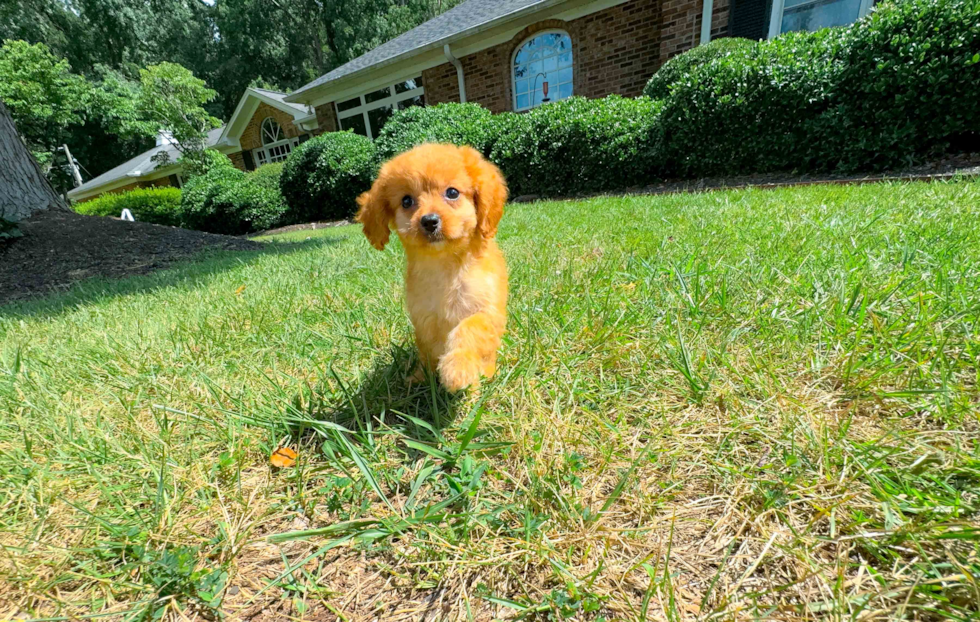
<point>226,200</point>
<point>579,145</point>
<point>748,111</point>
<point>323,176</point>
<point>459,124</point>
<point>684,64</point>
<point>160,206</point>
<point>908,86</point>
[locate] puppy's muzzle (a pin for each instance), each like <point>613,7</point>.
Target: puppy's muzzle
<point>430,223</point>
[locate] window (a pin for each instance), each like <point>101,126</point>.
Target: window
<point>276,146</point>
<point>790,15</point>
<point>366,114</point>
<point>542,69</point>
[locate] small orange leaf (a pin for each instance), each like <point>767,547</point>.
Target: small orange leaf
<point>240,291</point>
<point>283,457</point>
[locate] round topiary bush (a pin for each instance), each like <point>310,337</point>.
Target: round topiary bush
<point>579,145</point>
<point>323,176</point>
<point>159,206</point>
<point>683,64</point>
<point>458,124</point>
<point>229,201</point>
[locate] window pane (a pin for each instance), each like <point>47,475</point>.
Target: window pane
<point>822,14</point>
<point>418,100</point>
<point>565,75</point>
<point>378,118</point>
<point>565,59</point>
<point>376,95</point>
<point>522,102</point>
<point>355,123</point>
<point>408,85</point>
<point>522,86</point>
<point>565,90</point>
<point>350,103</point>
<point>546,57</point>
<point>551,64</point>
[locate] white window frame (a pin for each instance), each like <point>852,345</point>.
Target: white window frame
<point>273,152</point>
<point>776,17</point>
<point>391,101</point>
<point>513,77</point>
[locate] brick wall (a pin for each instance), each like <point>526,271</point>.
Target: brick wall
<point>615,50</point>
<point>238,160</point>
<point>252,136</point>
<point>326,118</point>
<point>719,19</point>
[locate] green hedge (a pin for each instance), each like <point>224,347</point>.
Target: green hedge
<point>226,200</point>
<point>323,176</point>
<point>901,84</point>
<point>459,124</point>
<point>909,86</point>
<point>579,145</point>
<point>684,64</point>
<point>160,206</point>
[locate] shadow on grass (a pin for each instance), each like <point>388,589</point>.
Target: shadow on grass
<point>188,274</point>
<point>384,396</point>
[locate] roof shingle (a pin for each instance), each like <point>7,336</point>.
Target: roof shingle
<point>452,24</point>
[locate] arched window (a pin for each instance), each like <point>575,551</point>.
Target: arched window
<point>271,131</point>
<point>276,146</point>
<point>542,69</point>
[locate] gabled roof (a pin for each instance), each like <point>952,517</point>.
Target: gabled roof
<point>140,166</point>
<point>462,20</point>
<point>246,108</point>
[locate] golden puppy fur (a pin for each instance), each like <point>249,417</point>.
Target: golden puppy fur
<point>445,202</point>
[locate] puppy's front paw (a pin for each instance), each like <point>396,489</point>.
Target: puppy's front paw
<point>416,377</point>
<point>458,370</point>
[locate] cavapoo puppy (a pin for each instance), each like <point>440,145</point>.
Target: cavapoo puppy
<point>445,202</point>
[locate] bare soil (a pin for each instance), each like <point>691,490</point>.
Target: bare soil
<point>60,248</point>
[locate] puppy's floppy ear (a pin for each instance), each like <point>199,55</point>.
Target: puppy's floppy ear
<point>491,191</point>
<point>375,216</point>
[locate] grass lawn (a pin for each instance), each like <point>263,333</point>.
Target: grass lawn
<point>731,405</point>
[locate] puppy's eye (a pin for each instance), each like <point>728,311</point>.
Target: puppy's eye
<point>452,194</point>
<point>407,202</point>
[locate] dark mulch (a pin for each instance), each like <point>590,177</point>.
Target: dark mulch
<point>59,248</point>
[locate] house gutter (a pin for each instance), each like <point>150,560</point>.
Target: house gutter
<point>459,72</point>
<point>706,11</point>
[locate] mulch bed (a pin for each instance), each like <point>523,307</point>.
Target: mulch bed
<point>59,248</point>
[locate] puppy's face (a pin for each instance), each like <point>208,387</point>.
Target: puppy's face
<point>437,198</point>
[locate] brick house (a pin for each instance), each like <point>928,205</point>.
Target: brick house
<point>264,128</point>
<point>506,55</point>
<point>513,55</point>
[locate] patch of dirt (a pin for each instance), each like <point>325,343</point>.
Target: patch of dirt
<point>303,227</point>
<point>60,248</point>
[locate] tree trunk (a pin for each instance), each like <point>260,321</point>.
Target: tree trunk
<point>23,187</point>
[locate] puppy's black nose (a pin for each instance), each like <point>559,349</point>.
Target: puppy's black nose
<point>430,222</point>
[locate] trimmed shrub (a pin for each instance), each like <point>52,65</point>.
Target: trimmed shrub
<point>900,84</point>
<point>268,175</point>
<point>160,206</point>
<point>226,200</point>
<point>684,64</point>
<point>458,124</point>
<point>909,85</point>
<point>323,176</point>
<point>579,145</point>
<point>747,112</point>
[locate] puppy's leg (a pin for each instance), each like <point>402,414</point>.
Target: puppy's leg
<point>471,350</point>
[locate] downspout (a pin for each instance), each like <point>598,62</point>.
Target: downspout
<point>709,6</point>
<point>459,72</point>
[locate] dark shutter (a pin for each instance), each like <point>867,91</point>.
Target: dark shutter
<point>303,138</point>
<point>174,181</point>
<point>249,162</point>
<point>749,19</point>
